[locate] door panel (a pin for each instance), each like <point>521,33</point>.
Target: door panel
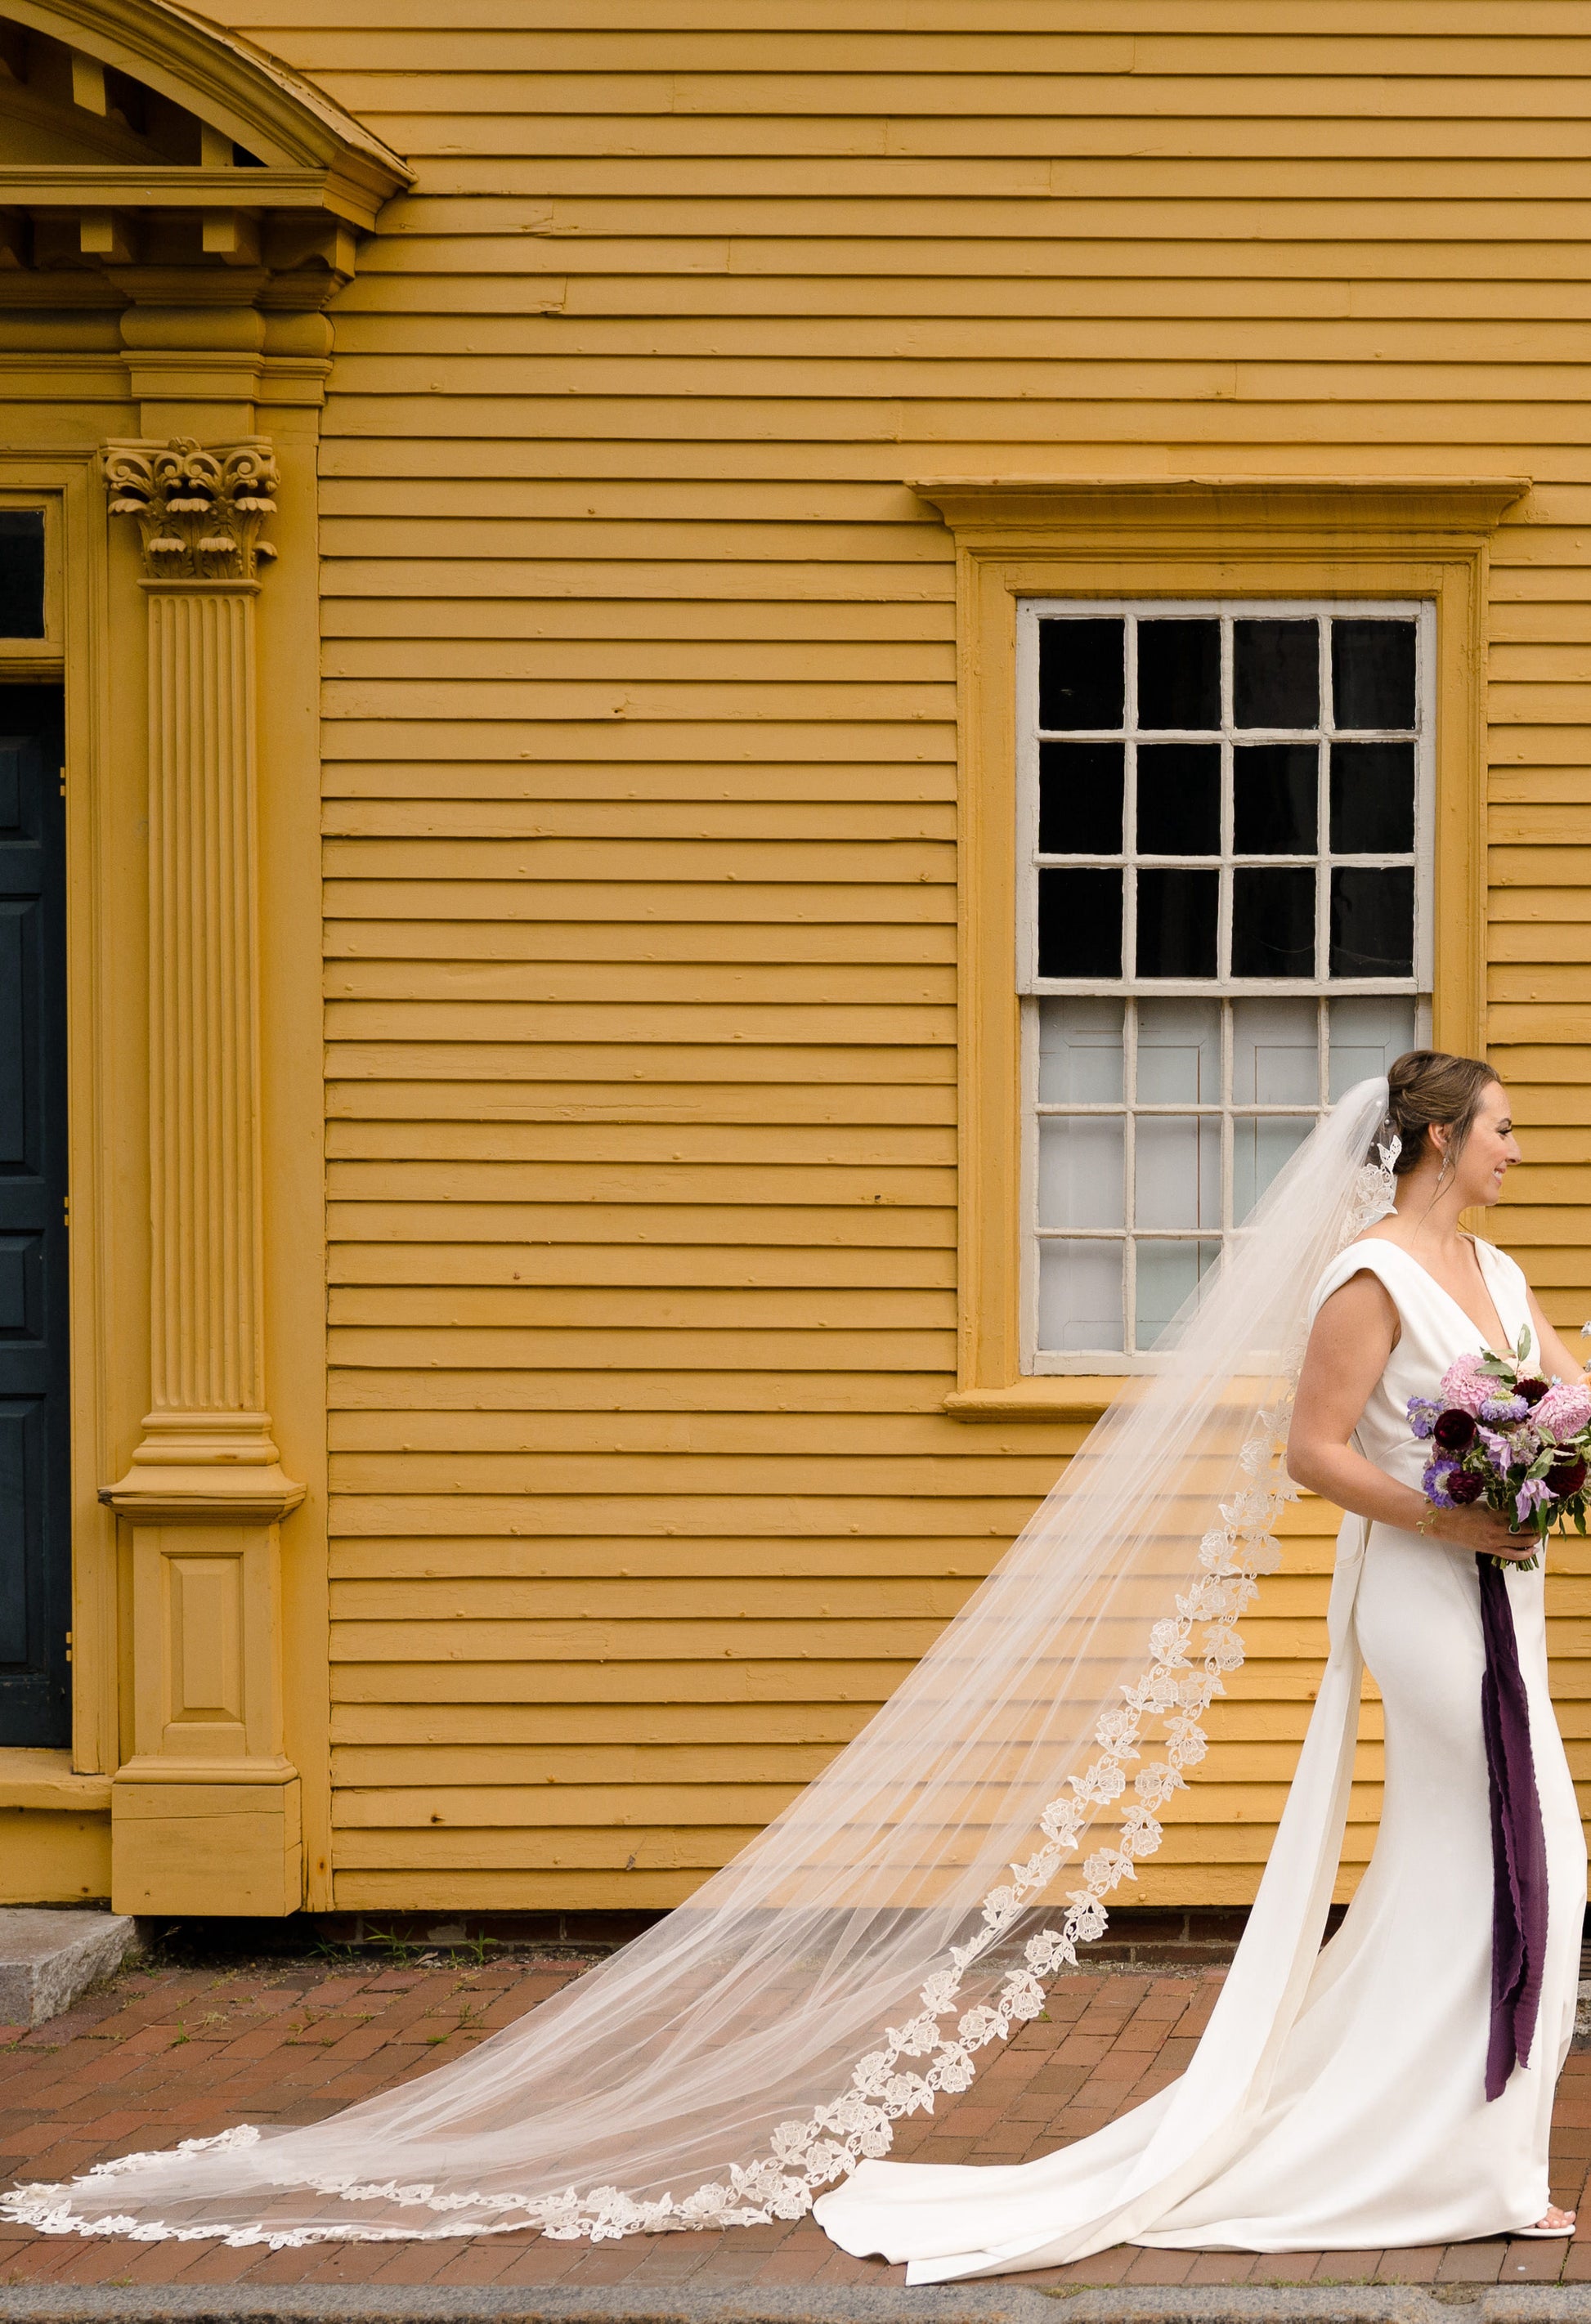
<point>35,1544</point>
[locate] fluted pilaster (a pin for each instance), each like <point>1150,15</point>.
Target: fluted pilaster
<point>205,1491</point>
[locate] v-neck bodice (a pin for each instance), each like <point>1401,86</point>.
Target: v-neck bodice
<point>1434,1330</point>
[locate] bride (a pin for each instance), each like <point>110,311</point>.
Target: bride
<point>902,1914</point>
<point>1372,2123</point>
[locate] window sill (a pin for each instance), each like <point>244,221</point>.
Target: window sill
<point>1053,1396</point>
<point>46,1779</point>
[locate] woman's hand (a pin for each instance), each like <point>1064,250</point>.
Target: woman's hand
<point>1484,1531</point>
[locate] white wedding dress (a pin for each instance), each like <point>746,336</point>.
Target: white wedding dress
<point>1337,2102</point>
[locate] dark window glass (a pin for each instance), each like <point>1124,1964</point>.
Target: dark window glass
<point>1080,799</point>
<point>1082,675</point>
<point>21,573</point>
<point>1272,923</point>
<point>1179,798</point>
<point>1180,674</point>
<point>1274,795</point>
<point>1371,922</point>
<point>1275,674</point>
<point>1373,673</point>
<point>1372,798</point>
<point>1079,923</point>
<point>1176,922</point>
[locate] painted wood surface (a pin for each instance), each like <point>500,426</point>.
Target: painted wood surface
<point>639,786</point>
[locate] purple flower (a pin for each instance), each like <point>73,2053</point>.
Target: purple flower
<point>1505,1407</point>
<point>1465,1487</point>
<point>1534,1494</point>
<point>1502,1454</point>
<point>1435,1481</point>
<point>1422,1414</point>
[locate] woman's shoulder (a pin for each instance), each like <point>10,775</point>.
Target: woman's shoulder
<point>1371,1254</point>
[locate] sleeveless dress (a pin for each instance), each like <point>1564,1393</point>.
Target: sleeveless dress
<point>1336,2100</point>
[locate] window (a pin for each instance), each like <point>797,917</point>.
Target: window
<point>1223,925</point>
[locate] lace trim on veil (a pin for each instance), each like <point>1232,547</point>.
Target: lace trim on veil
<point>1181,1678</point>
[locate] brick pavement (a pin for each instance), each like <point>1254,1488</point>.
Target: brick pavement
<point>170,2052</point>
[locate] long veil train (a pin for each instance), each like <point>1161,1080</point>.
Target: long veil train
<point>905,1910</point>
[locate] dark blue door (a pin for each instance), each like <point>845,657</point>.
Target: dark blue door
<point>35,1541</point>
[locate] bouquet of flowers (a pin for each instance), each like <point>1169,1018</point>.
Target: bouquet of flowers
<point>1504,1435</point>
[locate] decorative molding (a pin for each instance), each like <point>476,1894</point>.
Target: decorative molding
<point>245,94</point>
<point>199,511</point>
<point>1046,1396</point>
<point>1279,509</point>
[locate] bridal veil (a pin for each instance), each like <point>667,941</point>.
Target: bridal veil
<point>902,1914</point>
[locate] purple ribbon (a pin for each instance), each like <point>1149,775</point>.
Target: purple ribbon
<point>1519,1842</point>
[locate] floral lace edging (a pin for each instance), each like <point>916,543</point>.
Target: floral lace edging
<point>1177,1688</point>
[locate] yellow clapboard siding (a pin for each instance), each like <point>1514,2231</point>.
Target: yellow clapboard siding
<point>671,780</point>
<point>395,1391</point>
<point>386,1217</point>
<point>640,774</point>
<point>719,1264</point>
<point>393,1427</point>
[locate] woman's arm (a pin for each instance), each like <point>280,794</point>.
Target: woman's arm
<point>1354,1334</point>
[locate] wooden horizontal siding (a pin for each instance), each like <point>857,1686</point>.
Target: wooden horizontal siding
<point>640,780</point>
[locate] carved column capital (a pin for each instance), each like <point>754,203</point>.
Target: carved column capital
<point>198,509</point>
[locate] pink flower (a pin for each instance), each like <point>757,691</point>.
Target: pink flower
<point>1464,1384</point>
<point>1564,1409</point>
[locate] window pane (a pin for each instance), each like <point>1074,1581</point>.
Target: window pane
<point>1168,1274</point>
<point>1080,1297</point>
<point>1272,923</point>
<point>1275,673</point>
<point>1371,922</point>
<point>1179,1053</point>
<point>1176,922</point>
<point>1259,1149</point>
<point>1080,787</point>
<point>1180,674</point>
<point>1373,673</point>
<point>1080,1052</point>
<point>1081,1174</point>
<point>1178,1170</point>
<point>1367,1033</point>
<point>21,573</point>
<point>1079,923</point>
<point>1372,798</point>
<point>1274,798</point>
<point>1179,798</point>
<point>1082,675</point>
<point>1274,1046</point>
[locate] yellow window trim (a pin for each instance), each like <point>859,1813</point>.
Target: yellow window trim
<point>1175,536</point>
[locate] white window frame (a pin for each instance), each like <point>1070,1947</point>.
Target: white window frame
<point>1032,987</point>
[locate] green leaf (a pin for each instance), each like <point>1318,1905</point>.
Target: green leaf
<point>1522,1346</point>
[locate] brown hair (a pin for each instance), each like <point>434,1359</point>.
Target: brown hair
<point>1426,1086</point>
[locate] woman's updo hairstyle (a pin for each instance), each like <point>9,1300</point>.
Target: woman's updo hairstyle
<point>1426,1087</point>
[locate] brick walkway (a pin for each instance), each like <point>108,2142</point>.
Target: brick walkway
<point>168,2053</point>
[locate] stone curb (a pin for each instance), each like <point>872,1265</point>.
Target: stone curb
<point>1456,2303</point>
